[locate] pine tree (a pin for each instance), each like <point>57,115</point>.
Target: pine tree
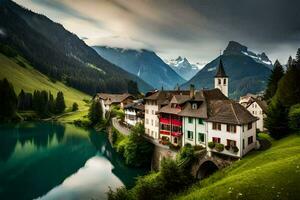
<point>22,100</point>
<point>289,63</point>
<point>8,100</point>
<point>276,74</point>
<point>74,106</point>
<point>95,112</point>
<point>51,103</point>
<point>277,120</point>
<point>298,56</point>
<point>60,103</point>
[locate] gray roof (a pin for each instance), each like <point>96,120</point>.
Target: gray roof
<point>212,105</point>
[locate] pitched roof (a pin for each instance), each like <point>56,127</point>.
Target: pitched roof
<point>262,104</point>
<point>136,106</point>
<point>212,105</point>
<point>220,70</point>
<point>164,97</point>
<point>113,98</point>
<point>228,111</point>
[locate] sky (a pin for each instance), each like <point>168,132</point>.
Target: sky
<point>195,29</point>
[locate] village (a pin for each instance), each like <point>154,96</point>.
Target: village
<point>206,119</point>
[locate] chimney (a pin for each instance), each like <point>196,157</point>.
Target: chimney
<point>192,91</point>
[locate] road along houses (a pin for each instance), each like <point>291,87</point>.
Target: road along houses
<point>205,117</point>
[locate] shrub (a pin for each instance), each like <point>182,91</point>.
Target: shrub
<point>219,147</point>
<point>121,146</point>
<point>235,149</point>
<point>211,145</point>
<point>294,117</point>
<point>74,106</point>
<point>198,147</point>
<point>186,152</point>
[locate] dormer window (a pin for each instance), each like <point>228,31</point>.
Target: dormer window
<point>194,106</point>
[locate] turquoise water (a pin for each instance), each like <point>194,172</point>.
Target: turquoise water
<point>54,161</point>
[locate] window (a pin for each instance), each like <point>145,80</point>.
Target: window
<point>219,81</point>
<point>152,133</point>
<point>216,126</point>
<point>147,121</point>
<point>194,106</point>
<point>190,135</point>
<point>216,140</point>
<point>175,140</point>
<point>152,122</point>
<point>200,121</point>
<point>201,137</point>
<point>146,111</point>
<point>243,144</point>
<point>231,143</point>
<point>153,112</point>
<point>231,128</point>
<point>190,120</point>
<point>156,123</point>
<point>249,126</point>
<point>250,140</point>
<point>165,127</point>
<point>224,81</point>
<point>243,128</point>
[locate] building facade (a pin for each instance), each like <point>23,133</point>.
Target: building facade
<point>203,118</point>
<point>134,113</point>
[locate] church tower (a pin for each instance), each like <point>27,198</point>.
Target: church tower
<point>221,79</point>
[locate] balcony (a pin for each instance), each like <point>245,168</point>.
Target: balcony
<point>164,120</point>
<point>164,132</point>
<point>176,134</point>
<point>176,122</point>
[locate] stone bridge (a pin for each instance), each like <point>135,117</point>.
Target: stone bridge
<point>206,165</point>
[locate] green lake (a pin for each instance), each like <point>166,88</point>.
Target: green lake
<point>55,161</point>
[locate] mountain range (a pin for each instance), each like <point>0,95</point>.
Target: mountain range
<point>183,67</point>
<point>143,63</point>
<point>60,54</point>
<point>248,72</point>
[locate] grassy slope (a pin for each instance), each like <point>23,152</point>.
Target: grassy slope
<point>30,79</point>
<point>271,174</point>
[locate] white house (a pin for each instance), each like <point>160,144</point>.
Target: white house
<point>134,113</point>
<point>109,100</point>
<point>258,109</point>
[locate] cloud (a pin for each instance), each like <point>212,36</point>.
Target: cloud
<point>196,29</point>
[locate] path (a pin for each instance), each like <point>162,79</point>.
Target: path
<point>120,127</point>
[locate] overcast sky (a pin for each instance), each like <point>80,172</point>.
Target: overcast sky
<point>196,29</point>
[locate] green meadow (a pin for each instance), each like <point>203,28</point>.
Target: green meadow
<point>270,174</point>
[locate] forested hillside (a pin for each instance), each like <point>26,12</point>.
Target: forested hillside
<point>59,54</point>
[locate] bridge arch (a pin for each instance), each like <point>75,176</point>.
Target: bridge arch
<point>206,169</point>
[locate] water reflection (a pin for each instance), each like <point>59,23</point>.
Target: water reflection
<point>52,159</point>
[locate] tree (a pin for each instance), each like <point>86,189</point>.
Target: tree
<point>74,106</point>
<point>298,56</point>
<point>289,63</point>
<point>276,74</point>
<point>138,150</point>
<point>288,91</point>
<point>51,104</point>
<point>8,100</point>
<point>277,119</point>
<point>60,103</point>
<point>21,100</point>
<point>95,112</point>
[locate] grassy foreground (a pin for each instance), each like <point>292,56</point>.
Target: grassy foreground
<point>23,76</point>
<point>271,174</point>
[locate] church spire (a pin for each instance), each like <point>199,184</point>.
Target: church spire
<point>220,70</point>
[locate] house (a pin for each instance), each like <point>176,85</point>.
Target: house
<point>257,108</point>
<point>153,102</point>
<point>207,116</point>
<point>108,100</point>
<point>134,113</point>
